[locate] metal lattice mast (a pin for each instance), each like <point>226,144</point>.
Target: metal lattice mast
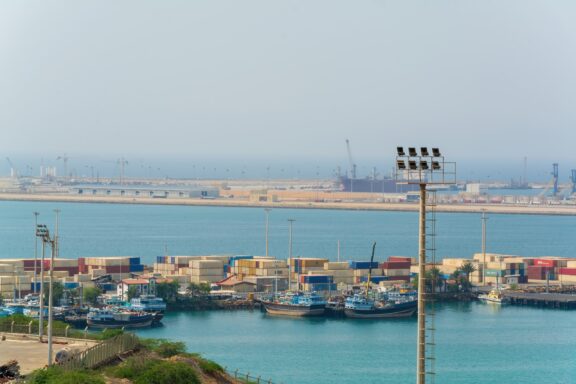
<point>431,314</point>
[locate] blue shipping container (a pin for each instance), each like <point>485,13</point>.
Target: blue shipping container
<point>134,260</point>
<point>374,279</point>
<point>362,264</point>
<point>70,285</point>
<point>317,279</point>
<point>137,268</point>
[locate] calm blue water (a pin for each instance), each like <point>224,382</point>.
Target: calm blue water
<point>145,231</point>
<point>476,343</point>
<point>510,344</point>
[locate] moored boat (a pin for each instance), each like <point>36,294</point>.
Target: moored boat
<point>115,318</point>
<point>495,296</point>
<point>298,304</point>
<point>381,305</point>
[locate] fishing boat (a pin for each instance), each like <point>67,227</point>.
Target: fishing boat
<point>376,304</point>
<point>151,304</point>
<point>380,303</point>
<point>116,318</point>
<point>298,304</point>
<point>495,296</point>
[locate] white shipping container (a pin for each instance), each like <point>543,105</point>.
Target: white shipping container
<point>396,272</point>
<point>272,272</point>
<point>206,264</point>
<point>571,264</point>
<point>266,264</point>
<point>336,265</point>
<point>65,263</point>
<point>212,272</point>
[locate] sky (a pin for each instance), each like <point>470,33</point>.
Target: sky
<point>228,84</point>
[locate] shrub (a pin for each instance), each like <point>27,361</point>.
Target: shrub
<point>164,347</point>
<point>132,367</point>
<point>167,372</point>
<point>56,375</point>
<point>209,367</point>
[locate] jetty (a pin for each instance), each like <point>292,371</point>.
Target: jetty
<point>542,299</point>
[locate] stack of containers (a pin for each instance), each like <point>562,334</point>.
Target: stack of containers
<point>266,267</point>
<point>11,286</point>
<point>317,283</point>
<point>340,271</point>
<point>568,274</point>
<point>118,267</point>
<point>302,266</point>
<point>542,269</point>
<point>397,268</point>
<point>206,271</point>
<point>360,269</point>
<point>233,263</point>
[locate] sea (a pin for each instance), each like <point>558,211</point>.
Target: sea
<point>474,342</point>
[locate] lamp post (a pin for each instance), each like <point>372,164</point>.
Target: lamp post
<point>422,169</point>
<point>35,251</point>
<point>267,211</point>
<point>484,218</point>
<point>43,232</point>
<point>290,222</point>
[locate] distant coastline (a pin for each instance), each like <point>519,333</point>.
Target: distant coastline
<point>561,210</point>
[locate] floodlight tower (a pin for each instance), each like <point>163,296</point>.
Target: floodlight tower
<point>422,169</point>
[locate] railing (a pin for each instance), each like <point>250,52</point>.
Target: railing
<point>32,328</point>
<point>247,378</point>
<point>101,353</point>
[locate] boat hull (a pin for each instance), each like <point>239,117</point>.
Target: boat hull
<point>117,324</point>
<point>399,310</point>
<point>294,310</point>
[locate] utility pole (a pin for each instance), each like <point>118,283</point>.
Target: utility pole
<point>41,298</point>
<point>290,222</point>
<point>54,243</point>
<point>267,211</point>
<point>484,218</point>
<point>35,251</point>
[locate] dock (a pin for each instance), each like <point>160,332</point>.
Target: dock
<point>540,299</point>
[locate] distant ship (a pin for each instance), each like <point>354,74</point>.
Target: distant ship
<point>374,185</point>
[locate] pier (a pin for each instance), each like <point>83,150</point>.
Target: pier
<point>547,300</point>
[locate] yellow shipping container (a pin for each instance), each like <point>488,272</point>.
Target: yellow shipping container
<point>336,265</point>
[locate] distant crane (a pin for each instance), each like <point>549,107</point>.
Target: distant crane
<point>351,161</point>
<point>13,170</point>
<point>64,159</point>
<point>555,176</point>
<point>122,162</point>
<point>573,180</point>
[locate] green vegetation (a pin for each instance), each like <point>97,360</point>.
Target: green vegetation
<point>90,295</point>
<point>56,375</point>
<point>168,291</point>
<point>209,367</point>
<point>164,347</point>
<point>132,292</point>
<point>199,289</point>
<point>144,369</point>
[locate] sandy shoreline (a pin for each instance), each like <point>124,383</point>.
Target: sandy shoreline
<point>222,202</point>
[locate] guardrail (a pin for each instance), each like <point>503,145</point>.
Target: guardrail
<point>247,378</point>
<point>101,353</point>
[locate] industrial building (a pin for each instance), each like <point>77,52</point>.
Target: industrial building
<point>146,191</point>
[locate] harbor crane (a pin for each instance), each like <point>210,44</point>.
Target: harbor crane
<point>64,159</point>
<point>351,161</point>
<point>13,170</point>
<point>122,162</point>
<point>573,180</point>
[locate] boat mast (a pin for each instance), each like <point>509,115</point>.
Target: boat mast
<point>370,270</point>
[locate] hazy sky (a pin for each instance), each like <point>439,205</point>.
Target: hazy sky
<point>272,81</point>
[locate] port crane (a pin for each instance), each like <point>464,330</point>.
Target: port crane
<point>64,159</point>
<point>351,161</point>
<point>573,180</point>
<point>13,170</point>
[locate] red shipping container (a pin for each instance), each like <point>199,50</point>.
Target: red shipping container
<point>395,265</point>
<point>545,262</point>
<point>399,258</point>
<point>567,271</point>
<point>29,264</point>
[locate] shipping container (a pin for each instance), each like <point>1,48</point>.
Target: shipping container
<point>395,265</point>
<point>362,264</point>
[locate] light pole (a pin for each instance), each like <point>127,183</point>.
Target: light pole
<point>35,250</point>
<point>484,218</point>
<point>290,222</point>
<point>43,232</point>
<point>422,169</point>
<point>267,211</point>
<point>40,232</point>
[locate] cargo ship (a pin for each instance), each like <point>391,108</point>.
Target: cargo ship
<point>297,304</point>
<point>114,318</point>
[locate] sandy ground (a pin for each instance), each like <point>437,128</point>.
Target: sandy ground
<point>31,354</point>
<point>226,202</point>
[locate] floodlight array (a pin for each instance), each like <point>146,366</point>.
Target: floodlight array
<point>413,166</point>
